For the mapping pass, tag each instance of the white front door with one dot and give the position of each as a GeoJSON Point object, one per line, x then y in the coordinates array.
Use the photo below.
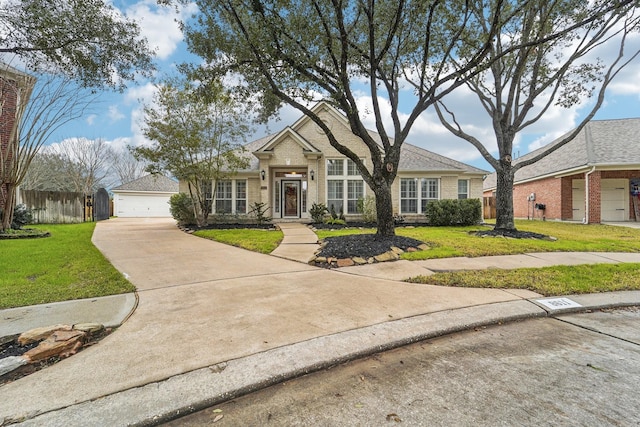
{"type": "Point", "coordinates": [290, 199]}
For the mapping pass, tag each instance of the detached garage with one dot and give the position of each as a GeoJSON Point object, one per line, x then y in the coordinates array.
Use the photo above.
{"type": "Point", "coordinates": [145, 197]}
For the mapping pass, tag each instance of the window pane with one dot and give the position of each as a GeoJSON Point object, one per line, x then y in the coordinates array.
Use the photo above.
{"type": "Point", "coordinates": [355, 191]}
{"type": "Point", "coordinates": [241, 206]}
{"type": "Point", "coordinates": [352, 169]}
{"type": "Point", "coordinates": [223, 206]}
{"type": "Point", "coordinates": [408, 195]}
{"type": "Point", "coordinates": [335, 167]}
{"type": "Point", "coordinates": [335, 189]}
{"type": "Point", "coordinates": [429, 189]}
{"type": "Point", "coordinates": [409, 206]}
{"type": "Point", "coordinates": [241, 189]}
{"type": "Point", "coordinates": [463, 189]}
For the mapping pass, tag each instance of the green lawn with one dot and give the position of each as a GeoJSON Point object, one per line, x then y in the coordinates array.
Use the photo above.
{"type": "Point", "coordinates": [549, 281]}
{"type": "Point", "coordinates": [62, 267]}
{"type": "Point", "coordinates": [448, 242]}
{"type": "Point", "coordinates": [561, 280]}
{"type": "Point", "coordinates": [263, 241]}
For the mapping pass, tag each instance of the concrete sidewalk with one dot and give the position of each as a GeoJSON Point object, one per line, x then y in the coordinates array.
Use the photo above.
{"type": "Point", "coordinates": [215, 321]}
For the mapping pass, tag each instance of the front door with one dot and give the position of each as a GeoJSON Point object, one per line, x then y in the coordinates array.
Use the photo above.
{"type": "Point", "coordinates": [291, 199]}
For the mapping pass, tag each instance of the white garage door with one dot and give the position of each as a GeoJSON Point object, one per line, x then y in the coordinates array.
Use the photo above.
{"type": "Point", "coordinates": [614, 199]}
{"type": "Point", "coordinates": [577, 195]}
{"type": "Point", "coordinates": [136, 205]}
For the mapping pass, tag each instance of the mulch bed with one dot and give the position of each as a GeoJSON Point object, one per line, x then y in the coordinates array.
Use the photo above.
{"type": "Point", "coordinates": [512, 234]}
{"type": "Point", "coordinates": [364, 245]}
{"type": "Point", "coordinates": [234, 226]}
{"type": "Point", "coordinates": [24, 233]}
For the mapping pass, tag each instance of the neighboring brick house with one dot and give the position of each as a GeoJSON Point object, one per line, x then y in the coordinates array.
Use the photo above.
{"type": "Point", "coordinates": [293, 169]}
{"type": "Point", "coordinates": [590, 179]}
{"type": "Point", "coordinates": [15, 89]}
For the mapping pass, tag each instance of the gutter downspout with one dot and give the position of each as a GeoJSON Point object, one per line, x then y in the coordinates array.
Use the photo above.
{"type": "Point", "coordinates": [586, 195]}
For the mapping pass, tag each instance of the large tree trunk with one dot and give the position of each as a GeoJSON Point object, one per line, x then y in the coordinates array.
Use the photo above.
{"type": "Point", "coordinates": [384, 209]}
{"type": "Point", "coordinates": [7, 209]}
{"type": "Point", "coordinates": [504, 198]}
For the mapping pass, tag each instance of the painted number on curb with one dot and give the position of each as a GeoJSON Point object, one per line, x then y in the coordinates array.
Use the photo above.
{"type": "Point", "coordinates": [558, 303]}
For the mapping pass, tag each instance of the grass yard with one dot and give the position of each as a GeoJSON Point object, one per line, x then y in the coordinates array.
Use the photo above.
{"type": "Point", "coordinates": [257, 240]}
{"type": "Point", "coordinates": [548, 281]}
{"type": "Point", "coordinates": [448, 242]}
{"type": "Point", "coordinates": [62, 267]}
{"type": "Point", "coordinates": [561, 280]}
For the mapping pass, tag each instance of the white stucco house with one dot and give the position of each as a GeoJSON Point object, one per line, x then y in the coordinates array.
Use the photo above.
{"type": "Point", "coordinates": [292, 169]}
{"type": "Point", "coordinates": [144, 197]}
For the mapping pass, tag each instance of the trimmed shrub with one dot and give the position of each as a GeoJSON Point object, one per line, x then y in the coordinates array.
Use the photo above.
{"type": "Point", "coordinates": [181, 208]}
{"type": "Point", "coordinates": [367, 207]}
{"type": "Point", "coordinates": [449, 212]}
{"type": "Point", "coordinates": [335, 221]}
{"type": "Point", "coordinates": [22, 216]}
{"type": "Point", "coordinates": [318, 212]}
{"type": "Point", "coordinates": [258, 209]}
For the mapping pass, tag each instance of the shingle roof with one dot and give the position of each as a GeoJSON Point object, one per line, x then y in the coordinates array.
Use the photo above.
{"type": "Point", "coordinates": [601, 142]}
{"type": "Point", "coordinates": [157, 183]}
{"type": "Point", "coordinates": [412, 158]}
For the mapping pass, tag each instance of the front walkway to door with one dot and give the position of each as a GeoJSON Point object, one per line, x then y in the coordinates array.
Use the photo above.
{"type": "Point", "coordinates": [299, 242]}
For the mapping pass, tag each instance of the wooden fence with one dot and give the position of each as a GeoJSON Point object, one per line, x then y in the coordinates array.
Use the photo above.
{"type": "Point", "coordinates": [56, 207]}
{"type": "Point", "coordinates": [489, 207]}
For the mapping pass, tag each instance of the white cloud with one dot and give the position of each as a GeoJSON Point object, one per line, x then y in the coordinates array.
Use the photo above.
{"type": "Point", "coordinates": [115, 114]}
{"type": "Point", "coordinates": [160, 24]}
{"type": "Point", "coordinates": [91, 118]}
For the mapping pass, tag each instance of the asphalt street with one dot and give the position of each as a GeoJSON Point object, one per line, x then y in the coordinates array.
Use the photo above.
{"type": "Point", "coordinates": [578, 369]}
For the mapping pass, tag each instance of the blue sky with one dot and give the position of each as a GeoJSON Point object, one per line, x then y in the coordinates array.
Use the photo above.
{"type": "Point", "coordinates": [116, 117]}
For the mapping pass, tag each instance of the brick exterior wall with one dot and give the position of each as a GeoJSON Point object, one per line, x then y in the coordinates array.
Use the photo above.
{"type": "Point", "coordinates": [548, 192]}
{"type": "Point", "coordinates": [557, 195]}
{"type": "Point", "coordinates": [593, 192]}
{"type": "Point", "coordinates": [8, 104]}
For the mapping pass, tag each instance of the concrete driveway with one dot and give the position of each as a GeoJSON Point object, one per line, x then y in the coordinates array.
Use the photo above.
{"type": "Point", "coordinates": [202, 303]}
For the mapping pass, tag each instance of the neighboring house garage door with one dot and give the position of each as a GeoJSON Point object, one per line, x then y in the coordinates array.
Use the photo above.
{"type": "Point", "coordinates": [137, 205]}
{"type": "Point", "coordinates": [614, 200]}
{"type": "Point", "coordinates": [577, 195]}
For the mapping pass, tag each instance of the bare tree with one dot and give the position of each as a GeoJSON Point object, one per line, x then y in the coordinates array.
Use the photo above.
{"type": "Point", "coordinates": [125, 166]}
{"type": "Point", "coordinates": [47, 172]}
{"type": "Point", "coordinates": [526, 78]}
{"type": "Point", "coordinates": [53, 102]}
{"type": "Point", "coordinates": [87, 163]}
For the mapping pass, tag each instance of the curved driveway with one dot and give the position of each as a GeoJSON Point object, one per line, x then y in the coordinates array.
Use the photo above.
{"type": "Point", "coordinates": [202, 303]}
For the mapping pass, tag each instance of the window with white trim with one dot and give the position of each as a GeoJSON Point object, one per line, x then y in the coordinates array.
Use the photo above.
{"type": "Point", "coordinates": [463, 189]}
{"type": "Point", "coordinates": [241, 196]}
{"type": "Point", "coordinates": [416, 193]}
{"type": "Point", "coordinates": [430, 191]}
{"type": "Point", "coordinates": [344, 185]}
{"type": "Point", "coordinates": [231, 196]}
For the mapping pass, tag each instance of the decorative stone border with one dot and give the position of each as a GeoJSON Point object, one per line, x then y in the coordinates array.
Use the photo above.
{"type": "Point", "coordinates": [391, 255]}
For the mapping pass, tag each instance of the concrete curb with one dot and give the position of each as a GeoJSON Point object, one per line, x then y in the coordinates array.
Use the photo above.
{"type": "Point", "coordinates": [111, 311]}
{"type": "Point", "coordinates": [199, 389]}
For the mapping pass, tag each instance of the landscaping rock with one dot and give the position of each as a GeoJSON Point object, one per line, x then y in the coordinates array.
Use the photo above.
{"type": "Point", "coordinates": [397, 250]}
{"type": "Point", "coordinates": [11, 363]}
{"type": "Point", "coordinates": [387, 256]}
{"type": "Point", "coordinates": [39, 334]}
{"type": "Point", "coordinates": [359, 260]}
{"type": "Point", "coordinates": [60, 343]}
{"type": "Point", "coordinates": [90, 328]}
{"type": "Point", "coordinates": [345, 262]}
